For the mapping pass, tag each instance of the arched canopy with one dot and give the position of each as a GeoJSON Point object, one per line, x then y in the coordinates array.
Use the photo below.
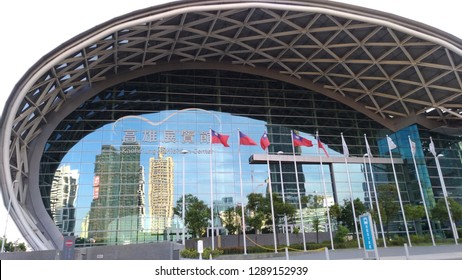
{"type": "Point", "coordinates": [396, 71]}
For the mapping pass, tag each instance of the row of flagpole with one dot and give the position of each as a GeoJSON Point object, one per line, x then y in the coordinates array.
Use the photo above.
{"type": "Point", "coordinates": [297, 141]}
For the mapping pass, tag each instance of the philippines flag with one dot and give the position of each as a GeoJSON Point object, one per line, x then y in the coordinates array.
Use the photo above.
{"type": "Point", "coordinates": [218, 138]}
{"type": "Point", "coordinates": [245, 140]}
{"type": "Point", "coordinates": [264, 141]}
{"type": "Point", "coordinates": [300, 141]}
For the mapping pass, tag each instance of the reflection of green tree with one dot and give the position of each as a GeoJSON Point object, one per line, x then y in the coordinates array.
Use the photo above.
{"type": "Point", "coordinates": [197, 214]}
{"type": "Point", "coordinates": [230, 220]}
{"type": "Point", "coordinates": [259, 211]}
{"type": "Point", "coordinates": [344, 214]}
{"type": "Point", "coordinates": [388, 203]}
{"type": "Point", "coordinates": [415, 213]}
{"type": "Point", "coordinates": [314, 202]}
{"type": "Point", "coordinates": [440, 211]}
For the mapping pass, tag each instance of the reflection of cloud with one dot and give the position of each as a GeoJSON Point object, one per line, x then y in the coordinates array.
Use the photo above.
{"type": "Point", "coordinates": [166, 118]}
{"type": "Point", "coordinates": [225, 164]}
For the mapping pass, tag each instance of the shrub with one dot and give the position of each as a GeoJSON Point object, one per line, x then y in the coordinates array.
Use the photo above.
{"type": "Point", "coordinates": [193, 254]}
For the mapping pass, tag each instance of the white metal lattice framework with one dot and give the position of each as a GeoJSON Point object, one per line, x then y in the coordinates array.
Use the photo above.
{"type": "Point", "coordinates": [396, 71]}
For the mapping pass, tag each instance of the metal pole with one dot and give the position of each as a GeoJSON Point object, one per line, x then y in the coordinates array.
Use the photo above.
{"type": "Point", "coordinates": [298, 192]}
{"type": "Point", "coordinates": [283, 200]}
{"type": "Point", "coordinates": [352, 203]}
{"type": "Point", "coordinates": [271, 202]}
{"type": "Point", "coordinates": [445, 195]}
{"type": "Point", "coordinates": [242, 196]}
{"type": "Point", "coordinates": [399, 193]}
{"type": "Point", "coordinates": [211, 193]}
{"type": "Point", "coordinates": [7, 217]}
{"type": "Point", "coordinates": [183, 213]}
{"type": "Point", "coordinates": [376, 196]}
{"type": "Point", "coordinates": [422, 193]}
{"type": "Point", "coordinates": [325, 194]}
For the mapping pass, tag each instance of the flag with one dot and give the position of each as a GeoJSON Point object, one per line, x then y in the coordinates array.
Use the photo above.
{"type": "Point", "coordinates": [391, 144]}
{"type": "Point", "coordinates": [346, 153]}
{"type": "Point", "coordinates": [413, 146]}
{"type": "Point", "coordinates": [218, 138]}
{"type": "Point", "coordinates": [369, 153]}
{"type": "Point", "coordinates": [321, 146]}
{"type": "Point", "coordinates": [300, 141]}
{"type": "Point", "coordinates": [245, 140]}
{"type": "Point", "coordinates": [431, 147]}
{"type": "Point", "coordinates": [264, 141]}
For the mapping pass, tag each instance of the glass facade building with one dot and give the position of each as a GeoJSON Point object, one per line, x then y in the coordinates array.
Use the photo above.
{"type": "Point", "coordinates": [172, 112]}
{"type": "Point", "coordinates": [102, 135]}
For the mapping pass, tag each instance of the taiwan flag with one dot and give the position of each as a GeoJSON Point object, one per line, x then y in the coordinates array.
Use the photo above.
{"type": "Point", "coordinates": [218, 138]}
{"type": "Point", "coordinates": [321, 146]}
{"type": "Point", "coordinates": [264, 141]}
{"type": "Point", "coordinates": [245, 140]}
{"type": "Point", "coordinates": [300, 141]}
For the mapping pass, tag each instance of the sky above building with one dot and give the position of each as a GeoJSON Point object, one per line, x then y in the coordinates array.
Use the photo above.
{"type": "Point", "coordinates": [24, 43]}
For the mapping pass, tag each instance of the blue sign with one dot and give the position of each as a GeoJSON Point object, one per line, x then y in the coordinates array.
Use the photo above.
{"type": "Point", "coordinates": [368, 232]}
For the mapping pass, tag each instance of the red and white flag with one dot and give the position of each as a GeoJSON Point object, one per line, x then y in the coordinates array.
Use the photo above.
{"type": "Point", "coordinates": [300, 141]}
{"type": "Point", "coordinates": [264, 141]}
{"type": "Point", "coordinates": [321, 146]}
{"type": "Point", "coordinates": [245, 140]}
{"type": "Point", "coordinates": [218, 138]}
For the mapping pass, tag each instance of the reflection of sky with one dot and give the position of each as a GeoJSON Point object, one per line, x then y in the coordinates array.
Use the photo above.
{"type": "Point", "coordinates": [225, 164]}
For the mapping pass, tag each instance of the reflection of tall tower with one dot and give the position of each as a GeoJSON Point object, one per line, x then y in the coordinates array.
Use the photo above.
{"type": "Point", "coordinates": [115, 215]}
{"type": "Point", "coordinates": [160, 192]}
{"type": "Point", "coordinates": [62, 198]}
{"type": "Point", "coordinates": [279, 137]}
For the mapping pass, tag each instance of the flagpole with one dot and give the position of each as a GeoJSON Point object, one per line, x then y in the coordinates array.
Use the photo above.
{"type": "Point", "coordinates": [242, 194]}
{"type": "Point", "coordinates": [346, 154]}
{"type": "Point", "coordinates": [325, 194]}
{"type": "Point", "coordinates": [421, 190]}
{"type": "Point", "coordinates": [389, 142]}
{"type": "Point", "coordinates": [183, 212]}
{"type": "Point", "coordinates": [298, 192]}
{"type": "Point", "coordinates": [271, 201]}
{"type": "Point", "coordinates": [283, 199]}
{"type": "Point", "coordinates": [376, 194]}
{"type": "Point", "coordinates": [371, 203]}
{"type": "Point", "coordinates": [443, 186]}
{"type": "Point", "coordinates": [211, 192]}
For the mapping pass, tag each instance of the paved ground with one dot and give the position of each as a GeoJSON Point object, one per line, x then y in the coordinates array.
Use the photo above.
{"type": "Point", "coordinates": [439, 252]}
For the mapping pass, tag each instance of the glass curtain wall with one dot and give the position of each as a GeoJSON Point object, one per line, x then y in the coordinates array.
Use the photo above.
{"type": "Point", "coordinates": [132, 149]}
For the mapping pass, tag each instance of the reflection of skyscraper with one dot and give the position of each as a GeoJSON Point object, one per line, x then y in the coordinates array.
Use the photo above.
{"type": "Point", "coordinates": [117, 206]}
{"type": "Point", "coordinates": [62, 198]}
{"type": "Point", "coordinates": [160, 192]}
{"type": "Point", "coordinates": [280, 135]}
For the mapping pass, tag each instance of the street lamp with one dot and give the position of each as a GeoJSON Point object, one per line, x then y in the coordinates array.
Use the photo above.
{"type": "Point", "coordinates": [283, 198]}
{"type": "Point", "coordinates": [184, 152]}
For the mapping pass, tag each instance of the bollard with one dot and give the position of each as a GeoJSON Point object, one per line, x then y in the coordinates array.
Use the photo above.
{"type": "Point", "coordinates": [327, 253]}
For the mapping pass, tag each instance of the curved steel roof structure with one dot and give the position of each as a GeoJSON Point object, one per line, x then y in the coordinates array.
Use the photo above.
{"type": "Point", "coordinates": [394, 70]}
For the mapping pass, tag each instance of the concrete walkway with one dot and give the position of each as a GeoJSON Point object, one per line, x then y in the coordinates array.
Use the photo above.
{"type": "Point", "coordinates": [439, 252]}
